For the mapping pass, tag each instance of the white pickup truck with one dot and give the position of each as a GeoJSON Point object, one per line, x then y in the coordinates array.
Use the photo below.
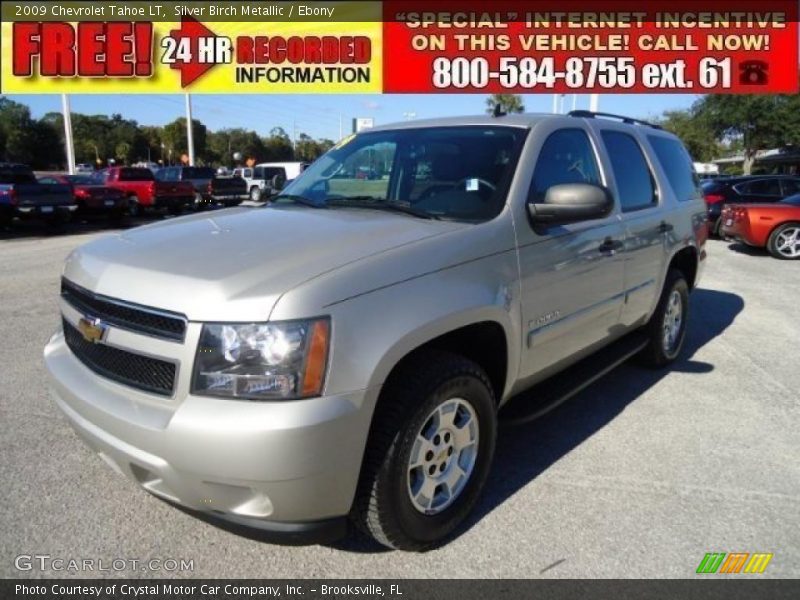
{"type": "Point", "coordinates": [267, 179]}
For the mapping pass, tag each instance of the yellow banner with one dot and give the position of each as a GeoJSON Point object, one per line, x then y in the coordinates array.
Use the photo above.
{"type": "Point", "coordinates": [198, 57]}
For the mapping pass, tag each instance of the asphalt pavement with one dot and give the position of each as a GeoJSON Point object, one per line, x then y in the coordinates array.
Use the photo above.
{"type": "Point", "coordinates": [638, 476]}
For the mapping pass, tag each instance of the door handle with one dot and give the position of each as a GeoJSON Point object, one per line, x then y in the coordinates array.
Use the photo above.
{"type": "Point", "coordinates": [610, 245]}
{"type": "Point", "coordinates": [665, 227]}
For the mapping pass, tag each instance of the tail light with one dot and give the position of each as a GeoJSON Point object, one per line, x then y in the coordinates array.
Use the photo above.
{"type": "Point", "coordinates": [81, 193]}
{"type": "Point", "coordinates": [713, 198]}
{"type": "Point", "coordinates": [11, 195]}
{"type": "Point", "coordinates": [153, 188]}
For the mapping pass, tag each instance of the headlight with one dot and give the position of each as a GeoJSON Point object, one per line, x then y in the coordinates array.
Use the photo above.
{"type": "Point", "coordinates": [262, 361]}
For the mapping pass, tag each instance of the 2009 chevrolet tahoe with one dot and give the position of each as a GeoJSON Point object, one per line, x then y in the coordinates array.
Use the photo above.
{"type": "Point", "coordinates": [342, 354]}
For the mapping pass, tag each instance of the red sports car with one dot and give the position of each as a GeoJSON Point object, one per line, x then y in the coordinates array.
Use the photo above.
{"type": "Point", "coordinates": [92, 197]}
{"type": "Point", "coordinates": [774, 226]}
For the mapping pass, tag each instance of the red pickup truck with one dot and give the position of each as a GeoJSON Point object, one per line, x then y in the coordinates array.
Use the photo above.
{"type": "Point", "coordinates": [144, 192]}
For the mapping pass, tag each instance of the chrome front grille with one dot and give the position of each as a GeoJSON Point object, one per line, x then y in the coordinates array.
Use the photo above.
{"type": "Point", "coordinates": [125, 315]}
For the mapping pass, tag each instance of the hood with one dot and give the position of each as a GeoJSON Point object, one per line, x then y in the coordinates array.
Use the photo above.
{"type": "Point", "coordinates": [234, 264]}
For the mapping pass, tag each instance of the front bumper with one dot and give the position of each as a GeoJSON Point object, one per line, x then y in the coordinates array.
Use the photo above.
{"type": "Point", "coordinates": [289, 469]}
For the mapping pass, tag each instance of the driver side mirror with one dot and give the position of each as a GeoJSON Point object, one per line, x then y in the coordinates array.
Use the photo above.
{"type": "Point", "coordinates": [570, 203]}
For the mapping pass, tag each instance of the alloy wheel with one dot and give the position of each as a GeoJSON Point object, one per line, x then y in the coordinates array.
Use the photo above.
{"type": "Point", "coordinates": [443, 456]}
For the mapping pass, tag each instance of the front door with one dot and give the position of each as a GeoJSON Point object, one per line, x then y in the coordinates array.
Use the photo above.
{"type": "Point", "coordinates": [571, 275]}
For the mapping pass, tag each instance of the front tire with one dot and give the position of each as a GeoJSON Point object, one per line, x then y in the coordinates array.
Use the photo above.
{"type": "Point", "coordinates": [255, 194]}
{"type": "Point", "coordinates": [666, 329]}
{"type": "Point", "coordinates": [784, 242]}
{"type": "Point", "coordinates": [429, 451]}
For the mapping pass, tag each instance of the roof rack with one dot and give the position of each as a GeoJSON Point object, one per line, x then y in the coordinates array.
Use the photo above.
{"type": "Point", "coordinates": [588, 114]}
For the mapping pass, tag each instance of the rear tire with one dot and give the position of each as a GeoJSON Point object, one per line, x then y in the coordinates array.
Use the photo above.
{"type": "Point", "coordinates": [134, 208]}
{"type": "Point", "coordinates": [255, 194]}
{"type": "Point", "coordinates": [778, 240]}
{"type": "Point", "coordinates": [666, 329]}
{"type": "Point", "coordinates": [429, 451]}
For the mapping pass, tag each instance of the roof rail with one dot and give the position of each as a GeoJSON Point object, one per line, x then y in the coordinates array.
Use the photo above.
{"type": "Point", "coordinates": [588, 114]}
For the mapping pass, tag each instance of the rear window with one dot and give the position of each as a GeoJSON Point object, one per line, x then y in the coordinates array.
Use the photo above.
{"type": "Point", "coordinates": [677, 166]}
{"type": "Point", "coordinates": [198, 173]}
{"type": "Point", "coordinates": [80, 179]}
{"type": "Point", "coordinates": [16, 174]}
{"type": "Point", "coordinates": [134, 174]}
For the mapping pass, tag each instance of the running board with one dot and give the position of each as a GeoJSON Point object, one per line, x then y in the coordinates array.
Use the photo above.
{"type": "Point", "coordinates": [550, 393]}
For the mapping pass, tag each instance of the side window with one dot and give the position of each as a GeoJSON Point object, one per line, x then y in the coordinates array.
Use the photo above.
{"type": "Point", "coordinates": [790, 187]}
{"type": "Point", "coordinates": [567, 156]}
{"type": "Point", "coordinates": [47, 180]}
{"type": "Point", "coordinates": [678, 167]}
{"type": "Point", "coordinates": [762, 187]}
{"type": "Point", "coordinates": [631, 171]}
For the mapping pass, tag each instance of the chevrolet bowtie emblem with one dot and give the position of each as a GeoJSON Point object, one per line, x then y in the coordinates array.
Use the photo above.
{"type": "Point", "coordinates": [91, 330]}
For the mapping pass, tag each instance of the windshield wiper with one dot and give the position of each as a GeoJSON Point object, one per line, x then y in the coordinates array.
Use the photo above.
{"type": "Point", "coordinates": [381, 204]}
{"type": "Point", "coordinates": [298, 200]}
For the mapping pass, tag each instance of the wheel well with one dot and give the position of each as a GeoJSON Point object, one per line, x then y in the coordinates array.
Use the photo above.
{"type": "Point", "coordinates": [483, 343]}
{"type": "Point", "coordinates": [686, 262]}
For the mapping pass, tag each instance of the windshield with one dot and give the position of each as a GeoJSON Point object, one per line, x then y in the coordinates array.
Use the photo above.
{"type": "Point", "coordinates": [459, 173]}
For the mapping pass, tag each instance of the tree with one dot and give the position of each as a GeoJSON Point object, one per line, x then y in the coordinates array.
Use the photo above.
{"type": "Point", "coordinates": [278, 146]}
{"type": "Point", "coordinates": [695, 132]}
{"type": "Point", "coordinates": [175, 137]}
{"type": "Point", "coordinates": [26, 140]}
{"type": "Point", "coordinates": [509, 103]}
{"type": "Point", "coordinates": [759, 122]}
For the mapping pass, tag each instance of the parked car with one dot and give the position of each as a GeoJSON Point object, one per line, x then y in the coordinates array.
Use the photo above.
{"type": "Point", "coordinates": [751, 189]}
{"type": "Point", "coordinates": [92, 199]}
{"type": "Point", "coordinates": [143, 191]}
{"type": "Point", "coordinates": [267, 179]}
{"type": "Point", "coordinates": [344, 356]}
{"type": "Point", "coordinates": [22, 196]}
{"type": "Point", "coordinates": [775, 226]}
{"type": "Point", "coordinates": [84, 168]}
{"type": "Point", "coordinates": [209, 188]}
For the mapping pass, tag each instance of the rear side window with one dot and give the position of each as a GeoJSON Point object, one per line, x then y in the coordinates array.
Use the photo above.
{"type": "Point", "coordinates": [134, 174]}
{"type": "Point", "coordinates": [790, 187]}
{"type": "Point", "coordinates": [678, 167]}
{"type": "Point", "coordinates": [631, 171]}
{"type": "Point", "coordinates": [567, 156]}
{"type": "Point", "coordinates": [760, 187]}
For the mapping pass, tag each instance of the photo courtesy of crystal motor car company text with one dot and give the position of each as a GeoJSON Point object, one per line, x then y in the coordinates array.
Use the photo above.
{"type": "Point", "coordinates": [309, 293]}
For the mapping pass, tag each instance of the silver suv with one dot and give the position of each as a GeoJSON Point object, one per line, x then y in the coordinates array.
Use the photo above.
{"type": "Point", "coordinates": [343, 355]}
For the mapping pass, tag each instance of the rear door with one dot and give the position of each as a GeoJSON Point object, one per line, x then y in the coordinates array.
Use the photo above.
{"type": "Point", "coordinates": [643, 219]}
{"type": "Point", "coordinates": [572, 276]}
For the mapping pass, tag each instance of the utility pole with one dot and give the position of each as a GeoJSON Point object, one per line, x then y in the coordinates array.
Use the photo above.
{"type": "Point", "coordinates": [574, 101]}
{"type": "Point", "coordinates": [594, 102]}
{"type": "Point", "coordinates": [68, 134]}
{"type": "Point", "coordinates": [555, 103]}
{"type": "Point", "coordinates": [189, 128]}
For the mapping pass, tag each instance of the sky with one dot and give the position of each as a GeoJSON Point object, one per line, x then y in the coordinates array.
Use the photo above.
{"type": "Point", "coordinates": [319, 115]}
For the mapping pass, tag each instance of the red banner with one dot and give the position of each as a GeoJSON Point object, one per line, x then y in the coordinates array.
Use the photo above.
{"type": "Point", "coordinates": [578, 45]}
